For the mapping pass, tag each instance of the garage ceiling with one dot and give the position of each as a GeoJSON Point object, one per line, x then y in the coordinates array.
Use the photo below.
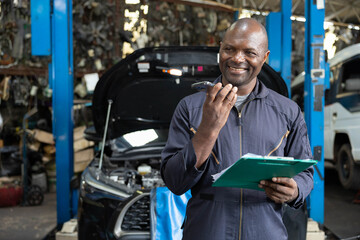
{"type": "Point", "coordinates": [337, 11]}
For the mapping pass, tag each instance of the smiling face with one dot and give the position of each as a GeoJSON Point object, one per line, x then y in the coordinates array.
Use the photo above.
{"type": "Point", "coordinates": [243, 51]}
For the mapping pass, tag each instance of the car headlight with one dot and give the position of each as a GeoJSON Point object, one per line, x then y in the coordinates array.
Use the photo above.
{"type": "Point", "coordinates": [94, 181]}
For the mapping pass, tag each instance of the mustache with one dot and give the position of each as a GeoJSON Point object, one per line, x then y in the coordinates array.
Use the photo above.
{"type": "Point", "coordinates": [242, 65]}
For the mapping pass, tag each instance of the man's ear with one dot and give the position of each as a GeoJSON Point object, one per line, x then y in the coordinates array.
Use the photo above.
{"type": "Point", "coordinates": [266, 55]}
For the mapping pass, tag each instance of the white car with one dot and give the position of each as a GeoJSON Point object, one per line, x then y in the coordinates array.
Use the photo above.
{"type": "Point", "coordinates": [341, 114]}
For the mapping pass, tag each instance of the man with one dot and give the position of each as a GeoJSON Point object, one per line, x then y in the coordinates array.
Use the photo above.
{"type": "Point", "coordinates": [211, 131]}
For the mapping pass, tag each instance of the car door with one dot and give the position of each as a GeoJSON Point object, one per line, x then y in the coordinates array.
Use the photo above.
{"type": "Point", "coordinates": [330, 115]}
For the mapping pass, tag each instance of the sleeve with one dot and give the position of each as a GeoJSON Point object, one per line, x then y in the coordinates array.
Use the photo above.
{"type": "Point", "coordinates": [178, 157]}
{"type": "Point", "coordinates": [298, 146]}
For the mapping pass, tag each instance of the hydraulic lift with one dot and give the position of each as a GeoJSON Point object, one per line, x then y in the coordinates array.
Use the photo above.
{"type": "Point", "coordinates": [51, 31]}
{"type": "Point", "coordinates": [316, 81]}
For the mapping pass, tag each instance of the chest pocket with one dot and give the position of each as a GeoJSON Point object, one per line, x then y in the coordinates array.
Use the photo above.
{"type": "Point", "coordinates": [278, 149]}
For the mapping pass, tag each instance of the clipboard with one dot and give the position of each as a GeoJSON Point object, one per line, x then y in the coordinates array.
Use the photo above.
{"type": "Point", "coordinates": [250, 169]}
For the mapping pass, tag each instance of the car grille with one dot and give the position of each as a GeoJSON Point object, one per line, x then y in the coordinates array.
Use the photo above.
{"type": "Point", "coordinates": [137, 217]}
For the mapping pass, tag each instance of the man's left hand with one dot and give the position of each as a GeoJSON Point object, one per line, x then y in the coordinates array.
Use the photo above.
{"type": "Point", "coordinates": [280, 189]}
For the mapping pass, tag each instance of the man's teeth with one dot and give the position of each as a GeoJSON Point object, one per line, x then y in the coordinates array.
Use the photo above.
{"type": "Point", "coordinates": [237, 69]}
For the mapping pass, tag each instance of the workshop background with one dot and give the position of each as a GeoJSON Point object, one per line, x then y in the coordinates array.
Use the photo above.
{"type": "Point", "coordinates": [104, 32]}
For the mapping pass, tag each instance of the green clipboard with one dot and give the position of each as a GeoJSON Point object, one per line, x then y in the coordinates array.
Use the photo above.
{"type": "Point", "coordinates": [250, 169]}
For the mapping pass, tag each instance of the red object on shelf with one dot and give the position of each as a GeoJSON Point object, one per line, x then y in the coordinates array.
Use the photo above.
{"type": "Point", "coordinates": [10, 195]}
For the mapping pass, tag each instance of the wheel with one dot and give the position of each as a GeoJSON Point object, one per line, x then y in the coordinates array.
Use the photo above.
{"type": "Point", "coordinates": [348, 171]}
{"type": "Point", "coordinates": [35, 196]}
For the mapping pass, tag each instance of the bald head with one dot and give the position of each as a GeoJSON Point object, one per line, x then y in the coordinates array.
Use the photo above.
{"type": "Point", "coordinates": [249, 24]}
{"type": "Point", "coordinates": [243, 51]}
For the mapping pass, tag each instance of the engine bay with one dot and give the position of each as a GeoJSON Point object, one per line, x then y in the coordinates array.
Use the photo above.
{"type": "Point", "coordinates": [142, 174]}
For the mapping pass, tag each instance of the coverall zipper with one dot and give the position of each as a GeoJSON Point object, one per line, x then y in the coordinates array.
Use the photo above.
{"type": "Point", "coordinates": [241, 190]}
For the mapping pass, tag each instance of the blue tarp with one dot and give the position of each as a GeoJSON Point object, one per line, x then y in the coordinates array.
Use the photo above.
{"type": "Point", "coordinates": [167, 213]}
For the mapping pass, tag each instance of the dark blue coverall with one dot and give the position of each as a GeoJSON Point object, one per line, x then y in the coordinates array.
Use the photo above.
{"type": "Point", "coordinates": [268, 122]}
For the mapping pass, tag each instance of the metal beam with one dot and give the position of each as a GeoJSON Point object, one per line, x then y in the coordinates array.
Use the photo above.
{"type": "Point", "coordinates": [345, 17]}
{"type": "Point", "coordinates": [263, 3]}
{"type": "Point", "coordinates": [40, 28]}
{"type": "Point", "coordinates": [337, 13]}
{"type": "Point", "coordinates": [244, 4]}
{"type": "Point", "coordinates": [278, 26]}
{"type": "Point", "coordinates": [286, 43]}
{"type": "Point", "coordinates": [275, 33]}
{"type": "Point", "coordinates": [62, 82]}
{"type": "Point", "coordinates": [297, 3]}
{"type": "Point", "coordinates": [277, 6]}
{"type": "Point", "coordinates": [203, 3]}
{"type": "Point", "coordinates": [314, 86]}
{"type": "Point", "coordinates": [253, 4]}
{"type": "Point", "coordinates": [333, 9]}
{"type": "Point", "coordinates": [337, 2]}
{"type": "Point", "coordinates": [356, 4]}
{"type": "Point", "coordinates": [356, 14]}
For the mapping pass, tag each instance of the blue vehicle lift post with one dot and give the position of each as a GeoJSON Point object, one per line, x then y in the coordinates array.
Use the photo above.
{"type": "Point", "coordinates": [52, 35]}
{"type": "Point", "coordinates": [278, 27]}
{"type": "Point", "coordinates": [316, 81]}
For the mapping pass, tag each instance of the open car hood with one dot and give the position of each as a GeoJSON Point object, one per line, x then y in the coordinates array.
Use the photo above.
{"type": "Point", "coordinates": [144, 93]}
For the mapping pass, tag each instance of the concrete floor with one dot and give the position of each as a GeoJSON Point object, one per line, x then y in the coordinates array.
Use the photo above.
{"type": "Point", "coordinates": [342, 217]}
{"type": "Point", "coordinates": [28, 223]}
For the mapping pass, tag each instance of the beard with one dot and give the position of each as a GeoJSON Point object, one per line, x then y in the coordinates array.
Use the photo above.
{"type": "Point", "coordinates": [240, 79]}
